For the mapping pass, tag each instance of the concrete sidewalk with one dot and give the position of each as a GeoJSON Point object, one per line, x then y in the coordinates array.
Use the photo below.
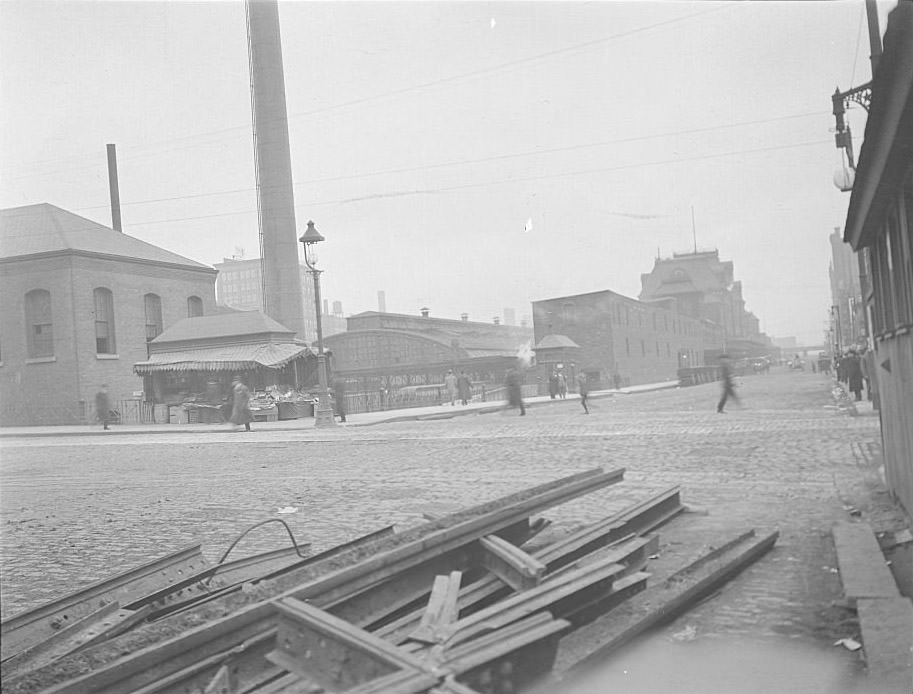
{"type": "Point", "coordinates": [353, 420]}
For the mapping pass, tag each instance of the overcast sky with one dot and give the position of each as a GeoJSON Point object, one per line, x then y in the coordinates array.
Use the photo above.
{"type": "Point", "coordinates": [425, 136]}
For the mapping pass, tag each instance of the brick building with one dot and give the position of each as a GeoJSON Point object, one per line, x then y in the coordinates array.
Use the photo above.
{"type": "Point", "coordinates": [847, 310]}
{"type": "Point", "coordinates": [641, 342]}
{"type": "Point", "coordinates": [704, 287]}
{"type": "Point", "coordinates": [239, 285]}
{"type": "Point", "coordinates": [80, 303]}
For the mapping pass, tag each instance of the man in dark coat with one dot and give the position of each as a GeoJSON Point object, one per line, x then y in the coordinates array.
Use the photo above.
{"type": "Point", "coordinates": [464, 388]}
{"type": "Point", "coordinates": [854, 374]}
{"type": "Point", "coordinates": [339, 396]}
{"type": "Point", "coordinates": [103, 406]}
{"type": "Point", "coordinates": [727, 383]}
{"type": "Point", "coordinates": [553, 385]}
{"type": "Point", "coordinates": [240, 409]}
{"type": "Point", "coordinates": [515, 391]}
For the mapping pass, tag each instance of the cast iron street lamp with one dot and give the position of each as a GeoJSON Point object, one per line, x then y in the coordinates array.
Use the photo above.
{"type": "Point", "coordinates": [323, 414]}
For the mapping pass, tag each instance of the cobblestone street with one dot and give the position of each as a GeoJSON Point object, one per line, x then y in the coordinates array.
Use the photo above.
{"type": "Point", "coordinates": [76, 509]}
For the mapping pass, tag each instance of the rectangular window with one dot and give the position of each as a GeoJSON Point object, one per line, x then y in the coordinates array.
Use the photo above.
{"type": "Point", "coordinates": [104, 322]}
{"type": "Point", "coordinates": [627, 347]}
{"type": "Point", "coordinates": [643, 348]}
{"type": "Point", "coordinates": [41, 327]}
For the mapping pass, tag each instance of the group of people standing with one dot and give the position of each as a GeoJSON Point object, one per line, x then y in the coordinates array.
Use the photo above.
{"type": "Point", "coordinates": [557, 385]}
{"type": "Point", "coordinates": [853, 370]}
{"type": "Point", "coordinates": [458, 387]}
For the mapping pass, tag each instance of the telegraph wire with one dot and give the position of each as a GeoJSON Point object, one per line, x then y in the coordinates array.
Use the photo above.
{"type": "Point", "coordinates": [396, 92]}
{"type": "Point", "coordinates": [480, 160]}
{"type": "Point", "coordinates": [567, 174]}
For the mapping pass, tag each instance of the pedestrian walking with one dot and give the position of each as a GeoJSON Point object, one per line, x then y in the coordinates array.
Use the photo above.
{"type": "Point", "coordinates": [515, 391]}
{"type": "Point", "coordinates": [728, 386]}
{"type": "Point", "coordinates": [553, 385]}
{"type": "Point", "coordinates": [339, 397]}
{"type": "Point", "coordinates": [450, 382]}
{"type": "Point", "coordinates": [584, 389]}
{"type": "Point", "coordinates": [464, 388]}
{"type": "Point", "coordinates": [854, 374]}
{"type": "Point", "coordinates": [240, 405]}
{"type": "Point", "coordinates": [103, 406]}
{"type": "Point", "coordinates": [562, 385]}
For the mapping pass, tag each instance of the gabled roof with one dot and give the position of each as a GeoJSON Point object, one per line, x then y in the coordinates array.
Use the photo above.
{"type": "Point", "coordinates": [45, 228]}
{"type": "Point", "coordinates": [237, 324]}
{"type": "Point", "coordinates": [554, 341]}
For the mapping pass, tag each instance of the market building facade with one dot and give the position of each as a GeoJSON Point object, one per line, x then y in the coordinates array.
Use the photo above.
{"type": "Point", "coordinates": [847, 317]}
{"type": "Point", "coordinates": [880, 221]}
{"type": "Point", "coordinates": [394, 353]}
{"type": "Point", "coordinates": [81, 302]}
{"type": "Point", "coordinates": [704, 288]}
{"type": "Point", "coordinates": [616, 340]}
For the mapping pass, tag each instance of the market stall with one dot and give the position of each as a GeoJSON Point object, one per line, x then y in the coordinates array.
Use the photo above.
{"type": "Point", "coordinates": [192, 364]}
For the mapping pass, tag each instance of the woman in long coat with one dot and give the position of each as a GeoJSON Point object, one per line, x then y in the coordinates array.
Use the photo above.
{"type": "Point", "coordinates": [240, 411]}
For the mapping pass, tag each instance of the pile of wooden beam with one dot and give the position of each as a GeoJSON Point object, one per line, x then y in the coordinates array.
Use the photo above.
{"type": "Point", "coordinates": [455, 605]}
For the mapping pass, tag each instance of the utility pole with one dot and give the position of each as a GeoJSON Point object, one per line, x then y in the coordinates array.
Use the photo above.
{"type": "Point", "coordinates": [114, 188]}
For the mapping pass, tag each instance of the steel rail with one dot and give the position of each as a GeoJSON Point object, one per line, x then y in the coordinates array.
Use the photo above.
{"type": "Point", "coordinates": [177, 653]}
{"type": "Point", "coordinates": [32, 626]}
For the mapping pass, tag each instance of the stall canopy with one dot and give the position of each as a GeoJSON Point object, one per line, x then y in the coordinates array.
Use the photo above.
{"type": "Point", "coordinates": [235, 341]}
{"type": "Point", "coordinates": [227, 358]}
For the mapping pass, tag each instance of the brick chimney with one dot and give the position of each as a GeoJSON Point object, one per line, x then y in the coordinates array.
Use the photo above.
{"type": "Point", "coordinates": [425, 312]}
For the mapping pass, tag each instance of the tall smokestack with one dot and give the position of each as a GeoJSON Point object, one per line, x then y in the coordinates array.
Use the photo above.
{"type": "Point", "coordinates": [115, 191]}
{"type": "Point", "coordinates": [276, 201]}
{"type": "Point", "coordinates": [382, 301]}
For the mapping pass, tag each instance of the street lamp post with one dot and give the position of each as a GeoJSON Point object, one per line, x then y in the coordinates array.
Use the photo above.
{"type": "Point", "coordinates": [323, 413]}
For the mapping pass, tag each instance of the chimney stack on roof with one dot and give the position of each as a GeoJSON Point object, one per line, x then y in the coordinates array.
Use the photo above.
{"type": "Point", "coordinates": [497, 320]}
{"type": "Point", "coordinates": [425, 312]}
{"type": "Point", "coordinates": [464, 317]}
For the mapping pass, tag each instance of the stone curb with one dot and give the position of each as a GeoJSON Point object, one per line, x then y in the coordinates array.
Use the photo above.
{"type": "Point", "coordinates": [405, 416]}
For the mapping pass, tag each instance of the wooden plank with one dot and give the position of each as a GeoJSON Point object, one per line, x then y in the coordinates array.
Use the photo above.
{"type": "Point", "coordinates": [35, 625]}
{"type": "Point", "coordinates": [863, 569]}
{"type": "Point", "coordinates": [599, 574]}
{"type": "Point", "coordinates": [442, 606]}
{"type": "Point", "coordinates": [511, 564]}
{"type": "Point", "coordinates": [660, 603]}
{"type": "Point", "coordinates": [632, 554]}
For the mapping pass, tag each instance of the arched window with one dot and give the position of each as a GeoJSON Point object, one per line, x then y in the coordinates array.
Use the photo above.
{"type": "Point", "coordinates": [39, 323]}
{"type": "Point", "coordinates": [104, 322]}
{"type": "Point", "coordinates": [153, 305]}
{"type": "Point", "coordinates": [194, 306]}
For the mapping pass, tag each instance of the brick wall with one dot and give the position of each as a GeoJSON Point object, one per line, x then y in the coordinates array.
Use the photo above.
{"type": "Point", "coordinates": [51, 390]}
{"type": "Point", "coordinates": [639, 340]}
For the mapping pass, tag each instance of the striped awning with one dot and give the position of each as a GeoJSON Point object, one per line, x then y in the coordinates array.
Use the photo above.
{"type": "Point", "coordinates": [228, 358]}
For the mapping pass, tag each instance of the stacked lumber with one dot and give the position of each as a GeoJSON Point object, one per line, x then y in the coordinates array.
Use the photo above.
{"type": "Point", "coordinates": [456, 605]}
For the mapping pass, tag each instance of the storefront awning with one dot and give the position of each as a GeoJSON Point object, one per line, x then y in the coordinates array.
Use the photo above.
{"type": "Point", "coordinates": [228, 358]}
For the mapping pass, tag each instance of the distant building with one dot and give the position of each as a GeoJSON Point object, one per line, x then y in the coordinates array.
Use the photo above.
{"type": "Point", "coordinates": [637, 341]}
{"type": "Point", "coordinates": [705, 289]}
{"type": "Point", "coordinates": [847, 310]}
{"type": "Point", "coordinates": [80, 303]}
{"type": "Point", "coordinates": [240, 286]}
{"type": "Point", "coordinates": [394, 350]}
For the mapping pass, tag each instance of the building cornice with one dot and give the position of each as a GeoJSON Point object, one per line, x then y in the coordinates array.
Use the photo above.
{"type": "Point", "coordinates": [70, 252]}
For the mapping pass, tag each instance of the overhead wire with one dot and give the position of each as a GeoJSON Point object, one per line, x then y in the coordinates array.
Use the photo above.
{"type": "Point", "coordinates": [523, 179]}
{"type": "Point", "coordinates": [406, 90]}
{"type": "Point", "coordinates": [479, 160]}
